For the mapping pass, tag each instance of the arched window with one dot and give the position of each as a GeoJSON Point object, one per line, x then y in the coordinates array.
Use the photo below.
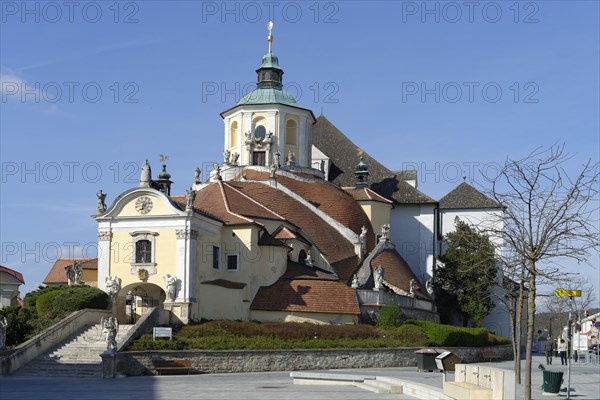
{"type": "Point", "coordinates": [233, 134]}
{"type": "Point", "coordinates": [291, 133]}
{"type": "Point", "coordinates": [143, 251]}
{"type": "Point", "coordinates": [301, 257]}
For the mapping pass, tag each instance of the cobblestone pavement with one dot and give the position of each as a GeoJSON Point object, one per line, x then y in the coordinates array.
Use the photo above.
{"type": "Point", "coordinates": [585, 382]}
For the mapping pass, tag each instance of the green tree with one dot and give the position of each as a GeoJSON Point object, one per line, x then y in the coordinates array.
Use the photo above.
{"type": "Point", "coordinates": [468, 277]}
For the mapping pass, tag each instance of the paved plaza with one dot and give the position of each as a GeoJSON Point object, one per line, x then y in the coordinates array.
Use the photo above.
{"type": "Point", "coordinates": [585, 381]}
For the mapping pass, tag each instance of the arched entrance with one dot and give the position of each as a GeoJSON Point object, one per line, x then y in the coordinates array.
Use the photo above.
{"type": "Point", "coordinates": [136, 299]}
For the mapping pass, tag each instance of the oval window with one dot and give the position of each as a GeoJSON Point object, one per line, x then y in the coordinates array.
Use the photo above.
{"type": "Point", "coordinates": [260, 132]}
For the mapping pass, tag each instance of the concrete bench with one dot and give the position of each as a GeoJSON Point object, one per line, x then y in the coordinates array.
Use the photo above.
{"type": "Point", "coordinates": [320, 378]}
{"type": "Point", "coordinates": [481, 382]}
{"type": "Point", "coordinates": [172, 367]}
{"type": "Point", "coordinates": [467, 391]}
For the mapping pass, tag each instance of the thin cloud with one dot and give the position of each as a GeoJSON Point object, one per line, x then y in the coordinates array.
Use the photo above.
{"type": "Point", "coordinates": [100, 50]}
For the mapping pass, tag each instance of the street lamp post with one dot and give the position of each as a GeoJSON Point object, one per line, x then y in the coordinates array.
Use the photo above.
{"type": "Point", "coordinates": [550, 327]}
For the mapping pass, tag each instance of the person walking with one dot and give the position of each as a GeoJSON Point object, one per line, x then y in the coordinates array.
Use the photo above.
{"type": "Point", "coordinates": [548, 347]}
{"type": "Point", "coordinates": [562, 350]}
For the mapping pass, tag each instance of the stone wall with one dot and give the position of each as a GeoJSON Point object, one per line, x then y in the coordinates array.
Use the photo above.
{"type": "Point", "coordinates": [205, 361]}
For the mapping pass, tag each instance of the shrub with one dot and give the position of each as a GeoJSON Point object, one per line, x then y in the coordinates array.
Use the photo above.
{"type": "Point", "coordinates": [389, 316]}
{"type": "Point", "coordinates": [30, 299]}
{"type": "Point", "coordinates": [145, 342]}
{"type": "Point", "coordinates": [62, 300]}
{"type": "Point", "coordinates": [18, 324]}
{"type": "Point", "coordinates": [44, 304]}
{"type": "Point", "coordinates": [448, 335]}
{"type": "Point", "coordinates": [412, 336]}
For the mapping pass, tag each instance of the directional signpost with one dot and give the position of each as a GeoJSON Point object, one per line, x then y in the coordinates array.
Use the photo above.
{"type": "Point", "coordinates": [560, 292]}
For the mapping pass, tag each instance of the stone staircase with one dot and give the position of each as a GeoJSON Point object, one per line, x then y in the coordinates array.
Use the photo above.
{"type": "Point", "coordinates": [77, 356]}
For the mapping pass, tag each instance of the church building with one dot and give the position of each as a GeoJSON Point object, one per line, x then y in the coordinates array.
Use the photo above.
{"type": "Point", "coordinates": [291, 226]}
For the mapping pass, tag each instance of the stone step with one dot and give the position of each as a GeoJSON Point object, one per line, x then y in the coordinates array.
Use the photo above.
{"type": "Point", "coordinates": [79, 355]}
{"type": "Point", "coordinates": [378, 386]}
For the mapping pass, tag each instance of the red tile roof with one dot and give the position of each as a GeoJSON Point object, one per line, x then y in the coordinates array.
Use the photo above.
{"type": "Point", "coordinates": [397, 272]}
{"type": "Point", "coordinates": [267, 240]}
{"type": "Point", "coordinates": [330, 242]}
{"type": "Point", "coordinates": [57, 273]}
{"type": "Point", "coordinates": [212, 201]}
{"type": "Point", "coordinates": [366, 194]}
{"type": "Point", "coordinates": [333, 201]}
{"type": "Point", "coordinates": [12, 272]}
{"type": "Point", "coordinates": [300, 271]}
{"type": "Point", "coordinates": [307, 295]}
{"type": "Point", "coordinates": [345, 268]}
{"type": "Point", "coordinates": [285, 233]}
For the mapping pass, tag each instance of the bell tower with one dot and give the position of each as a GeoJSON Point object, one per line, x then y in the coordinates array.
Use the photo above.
{"type": "Point", "coordinates": [267, 126]}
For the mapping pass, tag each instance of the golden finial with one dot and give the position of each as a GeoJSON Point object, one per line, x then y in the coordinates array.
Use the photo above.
{"type": "Point", "coordinates": [270, 37]}
{"type": "Point", "coordinates": [163, 158]}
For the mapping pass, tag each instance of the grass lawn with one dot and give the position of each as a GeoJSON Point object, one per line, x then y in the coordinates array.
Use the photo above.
{"type": "Point", "coordinates": [235, 335]}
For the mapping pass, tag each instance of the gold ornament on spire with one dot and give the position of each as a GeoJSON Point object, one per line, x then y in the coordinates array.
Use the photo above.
{"type": "Point", "coordinates": [270, 37]}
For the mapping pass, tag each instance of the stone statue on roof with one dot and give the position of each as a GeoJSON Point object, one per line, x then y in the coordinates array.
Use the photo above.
{"type": "Point", "coordinates": [278, 159]}
{"type": "Point", "coordinates": [146, 175]}
{"type": "Point", "coordinates": [412, 291]}
{"type": "Point", "coordinates": [197, 179]}
{"type": "Point", "coordinates": [101, 204]}
{"type": "Point", "coordinates": [190, 196]}
{"type": "Point", "coordinates": [429, 287]}
{"type": "Point", "coordinates": [308, 261]}
{"type": "Point", "coordinates": [378, 278]}
{"type": "Point", "coordinates": [74, 273]}
{"type": "Point", "coordinates": [226, 156]}
{"type": "Point", "coordinates": [355, 281]}
{"type": "Point", "coordinates": [385, 232]}
{"type": "Point", "coordinates": [291, 158]}
{"type": "Point", "coordinates": [273, 171]}
{"type": "Point", "coordinates": [234, 158]}
{"type": "Point", "coordinates": [215, 174]}
{"type": "Point", "coordinates": [362, 238]}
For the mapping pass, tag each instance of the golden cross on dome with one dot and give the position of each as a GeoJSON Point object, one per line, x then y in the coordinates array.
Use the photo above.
{"type": "Point", "coordinates": [163, 158]}
{"type": "Point", "coordinates": [270, 37]}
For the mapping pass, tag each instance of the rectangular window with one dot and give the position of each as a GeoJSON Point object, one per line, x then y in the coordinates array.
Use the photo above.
{"type": "Point", "coordinates": [216, 256]}
{"type": "Point", "coordinates": [232, 262]}
{"type": "Point", "coordinates": [143, 252]}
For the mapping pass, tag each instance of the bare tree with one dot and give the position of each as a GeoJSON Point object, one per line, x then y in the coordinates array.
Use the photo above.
{"type": "Point", "coordinates": [513, 296]}
{"type": "Point", "coordinates": [548, 217]}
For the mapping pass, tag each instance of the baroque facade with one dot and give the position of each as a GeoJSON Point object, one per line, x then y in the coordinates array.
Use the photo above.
{"type": "Point", "coordinates": [291, 226]}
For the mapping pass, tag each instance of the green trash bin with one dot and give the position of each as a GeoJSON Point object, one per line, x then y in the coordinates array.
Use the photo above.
{"type": "Point", "coordinates": [552, 381]}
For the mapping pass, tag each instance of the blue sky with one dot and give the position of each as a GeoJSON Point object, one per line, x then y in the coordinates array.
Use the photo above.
{"type": "Point", "coordinates": [91, 89]}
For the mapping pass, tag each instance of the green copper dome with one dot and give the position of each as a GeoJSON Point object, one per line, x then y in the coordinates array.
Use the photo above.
{"type": "Point", "coordinates": [270, 60]}
{"type": "Point", "coordinates": [164, 174]}
{"type": "Point", "coordinates": [268, 96]}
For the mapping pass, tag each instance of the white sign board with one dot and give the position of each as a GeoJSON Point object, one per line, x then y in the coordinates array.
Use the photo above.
{"type": "Point", "coordinates": [580, 342]}
{"type": "Point", "coordinates": [162, 332]}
